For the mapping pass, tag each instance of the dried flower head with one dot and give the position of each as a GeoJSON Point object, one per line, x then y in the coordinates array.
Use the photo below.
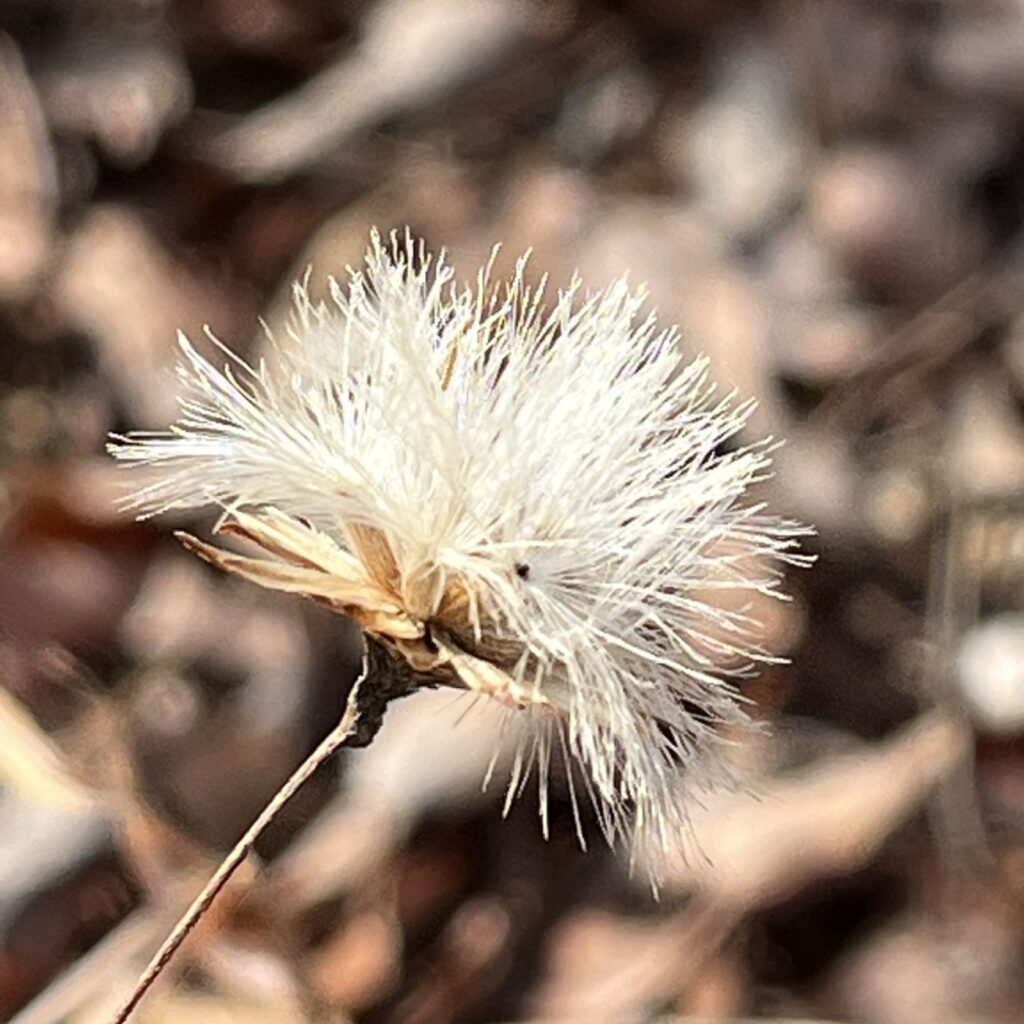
{"type": "Point", "coordinates": [540, 505]}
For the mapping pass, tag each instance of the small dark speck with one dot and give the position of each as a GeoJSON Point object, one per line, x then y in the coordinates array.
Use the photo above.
{"type": "Point", "coordinates": [428, 639]}
{"type": "Point", "coordinates": [522, 570]}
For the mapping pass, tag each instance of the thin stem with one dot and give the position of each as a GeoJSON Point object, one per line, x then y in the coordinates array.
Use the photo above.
{"type": "Point", "coordinates": [346, 732]}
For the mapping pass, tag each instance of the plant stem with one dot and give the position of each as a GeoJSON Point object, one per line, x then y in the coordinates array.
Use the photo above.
{"type": "Point", "coordinates": [358, 725]}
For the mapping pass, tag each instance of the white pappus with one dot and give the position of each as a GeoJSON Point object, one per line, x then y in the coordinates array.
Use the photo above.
{"type": "Point", "coordinates": [540, 504]}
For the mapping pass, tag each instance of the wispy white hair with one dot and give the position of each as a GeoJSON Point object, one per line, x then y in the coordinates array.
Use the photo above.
{"type": "Point", "coordinates": [547, 503]}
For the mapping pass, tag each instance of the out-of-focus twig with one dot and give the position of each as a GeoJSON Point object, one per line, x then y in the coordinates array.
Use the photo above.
{"type": "Point", "coordinates": [413, 53]}
{"type": "Point", "coordinates": [824, 821]}
{"type": "Point", "coordinates": [93, 973]}
{"type": "Point", "coordinates": [28, 177]}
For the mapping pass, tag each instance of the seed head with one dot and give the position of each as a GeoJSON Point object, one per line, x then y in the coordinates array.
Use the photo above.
{"type": "Point", "coordinates": [543, 505]}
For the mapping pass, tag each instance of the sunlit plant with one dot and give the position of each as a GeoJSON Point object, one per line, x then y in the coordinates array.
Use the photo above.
{"type": "Point", "coordinates": [541, 504]}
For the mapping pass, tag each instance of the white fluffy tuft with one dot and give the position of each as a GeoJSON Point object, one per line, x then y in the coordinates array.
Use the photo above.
{"type": "Point", "coordinates": [576, 476]}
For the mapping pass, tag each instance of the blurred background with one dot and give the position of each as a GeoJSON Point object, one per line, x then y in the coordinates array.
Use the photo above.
{"type": "Point", "coordinates": [827, 195]}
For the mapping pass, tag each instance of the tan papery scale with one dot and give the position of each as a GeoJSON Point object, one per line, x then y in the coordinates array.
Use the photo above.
{"type": "Point", "coordinates": [307, 562]}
